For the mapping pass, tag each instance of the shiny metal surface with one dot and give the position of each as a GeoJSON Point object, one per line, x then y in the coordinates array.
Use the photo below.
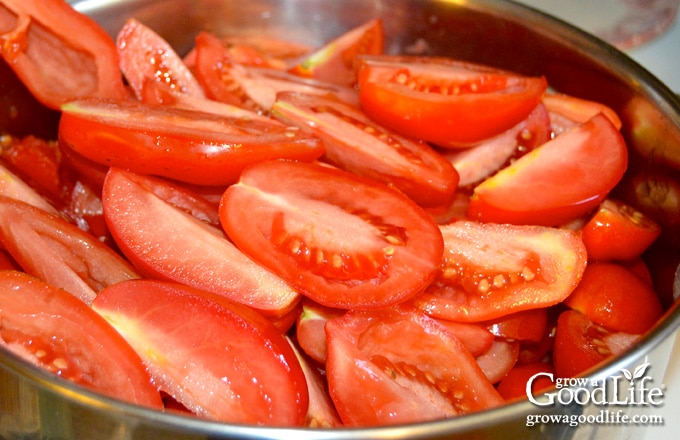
{"type": "Point", "coordinates": [34, 405]}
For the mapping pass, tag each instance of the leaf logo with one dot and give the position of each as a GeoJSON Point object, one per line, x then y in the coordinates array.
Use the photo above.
{"type": "Point", "coordinates": [637, 373]}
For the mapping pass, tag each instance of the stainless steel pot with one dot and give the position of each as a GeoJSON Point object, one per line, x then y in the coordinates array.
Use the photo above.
{"type": "Point", "coordinates": [35, 405]}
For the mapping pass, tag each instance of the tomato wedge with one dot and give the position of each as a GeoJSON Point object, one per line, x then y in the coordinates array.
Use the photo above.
{"type": "Point", "coordinates": [185, 145]}
{"type": "Point", "coordinates": [449, 103]}
{"type": "Point", "coordinates": [561, 180]}
{"type": "Point", "coordinates": [403, 367]}
{"type": "Point", "coordinates": [492, 270]}
{"type": "Point", "coordinates": [50, 328]}
{"type": "Point", "coordinates": [342, 240]}
{"type": "Point", "coordinates": [159, 236]}
{"type": "Point", "coordinates": [217, 358]}
{"type": "Point", "coordinates": [59, 253]}
{"type": "Point", "coordinates": [56, 63]}
{"type": "Point", "coordinates": [355, 143]}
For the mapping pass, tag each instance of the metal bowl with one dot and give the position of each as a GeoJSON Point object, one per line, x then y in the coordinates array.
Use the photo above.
{"type": "Point", "coordinates": [34, 404]}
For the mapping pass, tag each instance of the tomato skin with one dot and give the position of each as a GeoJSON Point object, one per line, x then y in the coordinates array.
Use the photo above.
{"type": "Point", "coordinates": [491, 270]}
{"type": "Point", "coordinates": [165, 242]}
{"type": "Point", "coordinates": [483, 102]}
{"type": "Point", "coordinates": [355, 143]}
{"type": "Point", "coordinates": [310, 329]}
{"type": "Point", "coordinates": [76, 343]}
{"type": "Point", "coordinates": [387, 355]}
{"type": "Point", "coordinates": [185, 145]}
{"type": "Point", "coordinates": [578, 110]}
{"type": "Point", "coordinates": [513, 386]}
{"type": "Point", "coordinates": [615, 298]}
{"type": "Point", "coordinates": [39, 38]}
{"type": "Point", "coordinates": [527, 325]}
{"type": "Point", "coordinates": [342, 240]}
{"type": "Point", "coordinates": [617, 231]}
{"type": "Point", "coordinates": [591, 159]}
{"type": "Point", "coordinates": [188, 337]}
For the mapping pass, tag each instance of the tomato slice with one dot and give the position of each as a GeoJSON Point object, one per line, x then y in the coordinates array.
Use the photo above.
{"type": "Point", "coordinates": [527, 325]}
{"type": "Point", "coordinates": [335, 61]}
{"type": "Point", "coordinates": [217, 358]}
{"type": "Point", "coordinates": [613, 297]}
{"type": "Point", "coordinates": [578, 110]}
{"type": "Point", "coordinates": [492, 270]}
{"type": "Point", "coordinates": [617, 231]}
{"type": "Point", "coordinates": [146, 57]}
{"type": "Point", "coordinates": [403, 367]}
{"type": "Point", "coordinates": [355, 143]}
{"type": "Point", "coordinates": [15, 188]}
{"type": "Point", "coordinates": [499, 359]}
{"type": "Point", "coordinates": [561, 180]}
{"type": "Point", "coordinates": [56, 251]}
{"type": "Point", "coordinates": [514, 384]}
{"type": "Point", "coordinates": [474, 337]}
{"type": "Point", "coordinates": [310, 329]}
{"type": "Point", "coordinates": [185, 145]}
{"type": "Point", "coordinates": [56, 63]}
{"type": "Point", "coordinates": [449, 103]}
{"type": "Point", "coordinates": [580, 344]}
{"type": "Point", "coordinates": [50, 328]}
{"type": "Point", "coordinates": [163, 240]}
{"type": "Point", "coordinates": [342, 240]}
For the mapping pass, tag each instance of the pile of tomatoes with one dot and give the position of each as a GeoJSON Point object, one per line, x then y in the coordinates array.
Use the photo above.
{"type": "Point", "coordinates": [265, 233]}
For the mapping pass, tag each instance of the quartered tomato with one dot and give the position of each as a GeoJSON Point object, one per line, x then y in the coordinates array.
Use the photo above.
{"type": "Point", "coordinates": [58, 53]}
{"type": "Point", "coordinates": [355, 143]}
{"type": "Point", "coordinates": [398, 366]}
{"type": "Point", "coordinates": [335, 61]}
{"type": "Point", "coordinates": [217, 358]}
{"type": "Point", "coordinates": [580, 344]}
{"type": "Point", "coordinates": [342, 240]}
{"type": "Point", "coordinates": [556, 182]}
{"type": "Point", "coordinates": [451, 104]}
{"type": "Point", "coordinates": [185, 145]}
{"type": "Point", "coordinates": [50, 328]}
{"type": "Point", "coordinates": [146, 57]}
{"type": "Point", "coordinates": [310, 329]}
{"type": "Point", "coordinates": [577, 110]}
{"type": "Point", "coordinates": [527, 325]}
{"type": "Point", "coordinates": [54, 250]}
{"type": "Point", "coordinates": [492, 270]}
{"type": "Point", "coordinates": [166, 233]}
{"type": "Point", "coordinates": [617, 231]}
{"type": "Point", "coordinates": [499, 359]}
{"type": "Point", "coordinates": [613, 297]}
{"type": "Point", "coordinates": [514, 384]}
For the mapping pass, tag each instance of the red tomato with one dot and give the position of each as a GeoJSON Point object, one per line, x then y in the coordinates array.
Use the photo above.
{"type": "Point", "coordinates": [335, 61]}
{"type": "Point", "coordinates": [563, 179]}
{"type": "Point", "coordinates": [474, 337]}
{"type": "Point", "coordinates": [150, 221]}
{"type": "Point", "coordinates": [54, 250]}
{"type": "Point", "coordinates": [310, 329]}
{"type": "Point", "coordinates": [54, 61]}
{"type": "Point", "coordinates": [514, 384]}
{"type": "Point", "coordinates": [448, 103]}
{"type": "Point", "coordinates": [185, 145]}
{"type": "Point", "coordinates": [37, 162]}
{"type": "Point", "coordinates": [527, 325]}
{"type": "Point", "coordinates": [617, 231]}
{"type": "Point", "coordinates": [7, 262]}
{"type": "Point", "coordinates": [403, 367]}
{"type": "Point", "coordinates": [499, 359]}
{"type": "Point", "coordinates": [50, 328]}
{"type": "Point", "coordinates": [342, 240]}
{"type": "Point", "coordinates": [145, 57]}
{"type": "Point", "coordinates": [491, 270]}
{"type": "Point", "coordinates": [219, 359]}
{"type": "Point", "coordinates": [615, 298]}
{"type": "Point", "coordinates": [578, 110]}
{"type": "Point", "coordinates": [15, 188]}
{"type": "Point", "coordinates": [355, 143]}
{"type": "Point", "coordinates": [580, 344]}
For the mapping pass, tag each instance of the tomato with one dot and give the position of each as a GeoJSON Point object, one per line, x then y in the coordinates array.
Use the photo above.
{"type": "Point", "coordinates": [563, 179]}
{"type": "Point", "coordinates": [499, 359]}
{"type": "Point", "coordinates": [50, 328]}
{"type": "Point", "coordinates": [185, 145]}
{"type": "Point", "coordinates": [335, 61]}
{"type": "Point", "coordinates": [7, 262]}
{"type": "Point", "coordinates": [474, 337]}
{"type": "Point", "coordinates": [578, 110]}
{"type": "Point", "coordinates": [617, 231]}
{"type": "Point", "coordinates": [448, 103]}
{"type": "Point", "coordinates": [37, 162]}
{"type": "Point", "coordinates": [514, 384]}
{"type": "Point", "coordinates": [342, 240]}
{"type": "Point", "coordinates": [403, 367]}
{"type": "Point", "coordinates": [580, 344]}
{"type": "Point", "coordinates": [355, 143]}
{"type": "Point", "coordinates": [15, 188]}
{"type": "Point", "coordinates": [150, 221]}
{"type": "Point", "coordinates": [310, 329]}
{"type": "Point", "coordinates": [56, 251]}
{"type": "Point", "coordinates": [615, 298]}
{"type": "Point", "coordinates": [492, 270]}
{"type": "Point", "coordinates": [145, 57]}
{"type": "Point", "coordinates": [219, 359]}
{"type": "Point", "coordinates": [480, 161]}
{"type": "Point", "coordinates": [527, 325]}
{"type": "Point", "coordinates": [56, 63]}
